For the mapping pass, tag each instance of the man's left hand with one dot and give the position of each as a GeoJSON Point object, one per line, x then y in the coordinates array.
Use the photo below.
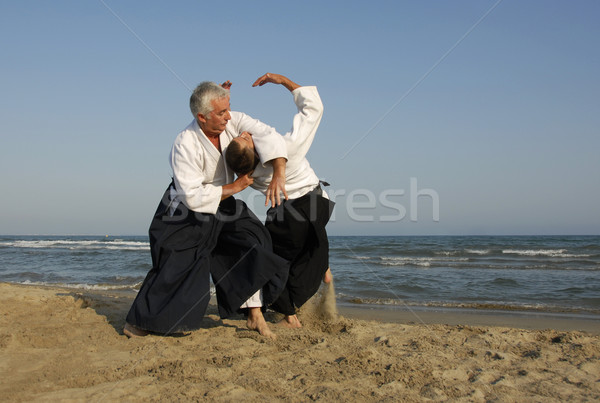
{"type": "Point", "coordinates": [275, 189]}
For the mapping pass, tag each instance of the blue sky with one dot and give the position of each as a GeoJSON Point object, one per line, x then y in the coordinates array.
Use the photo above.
{"type": "Point", "coordinates": [498, 128]}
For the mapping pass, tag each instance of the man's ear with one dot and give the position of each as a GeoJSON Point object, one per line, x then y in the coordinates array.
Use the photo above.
{"type": "Point", "coordinates": [201, 118]}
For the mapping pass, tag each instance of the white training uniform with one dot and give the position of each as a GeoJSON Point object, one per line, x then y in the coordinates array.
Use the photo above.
{"type": "Point", "coordinates": [199, 169]}
{"type": "Point", "coordinates": [300, 178]}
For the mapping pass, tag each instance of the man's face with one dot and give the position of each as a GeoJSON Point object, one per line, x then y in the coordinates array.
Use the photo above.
{"type": "Point", "coordinates": [214, 124]}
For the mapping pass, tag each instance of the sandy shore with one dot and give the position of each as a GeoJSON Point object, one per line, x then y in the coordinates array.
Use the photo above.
{"type": "Point", "coordinates": [66, 345]}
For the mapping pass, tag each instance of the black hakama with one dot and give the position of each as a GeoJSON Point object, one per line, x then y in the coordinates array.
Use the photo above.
{"type": "Point", "coordinates": [297, 228]}
{"type": "Point", "coordinates": [232, 245]}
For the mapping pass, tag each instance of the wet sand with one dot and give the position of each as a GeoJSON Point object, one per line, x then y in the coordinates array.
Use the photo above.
{"type": "Point", "coordinates": [532, 320]}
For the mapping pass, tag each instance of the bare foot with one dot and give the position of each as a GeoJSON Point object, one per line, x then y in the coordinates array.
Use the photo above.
{"type": "Point", "coordinates": [132, 331]}
{"type": "Point", "coordinates": [256, 321]}
{"type": "Point", "coordinates": [328, 277]}
{"type": "Point", "coordinates": [291, 321]}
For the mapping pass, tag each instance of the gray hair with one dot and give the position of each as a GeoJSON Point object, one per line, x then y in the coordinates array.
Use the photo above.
{"type": "Point", "coordinates": [202, 97]}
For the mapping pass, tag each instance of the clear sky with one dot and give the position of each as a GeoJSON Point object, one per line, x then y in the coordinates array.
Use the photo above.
{"type": "Point", "coordinates": [436, 121]}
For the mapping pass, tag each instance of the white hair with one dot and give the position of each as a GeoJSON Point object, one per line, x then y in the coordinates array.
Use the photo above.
{"type": "Point", "coordinates": [202, 97]}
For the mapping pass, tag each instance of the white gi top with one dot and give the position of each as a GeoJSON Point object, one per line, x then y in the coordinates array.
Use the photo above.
{"type": "Point", "coordinates": [299, 176]}
{"type": "Point", "coordinates": [199, 169]}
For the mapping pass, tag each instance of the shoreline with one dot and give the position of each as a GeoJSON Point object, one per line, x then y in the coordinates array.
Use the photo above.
{"type": "Point", "coordinates": [529, 320]}
{"type": "Point", "coordinates": [417, 314]}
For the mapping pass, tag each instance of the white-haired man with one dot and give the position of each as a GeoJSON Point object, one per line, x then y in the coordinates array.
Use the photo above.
{"type": "Point", "coordinates": [199, 230]}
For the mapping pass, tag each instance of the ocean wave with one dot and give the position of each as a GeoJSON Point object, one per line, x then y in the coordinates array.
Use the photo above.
{"type": "Point", "coordinates": [408, 263]}
{"type": "Point", "coordinates": [483, 306]}
{"type": "Point", "coordinates": [478, 251]}
{"type": "Point", "coordinates": [447, 252]}
{"type": "Point", "coordinates": [75, 245]}
{"type": "Point", "coordinates": [378, 301]}
{"type": "Point", "coordinates": [117, 247]}
{"type": "Point", "coordinates": [83, 286]}
{"type": "Point", "coordinates": [419, 261]}
{"type": "Point", "coordinates": [94, 287]}
{"type": "Point", "coordinates": [543, 252]}
{"type": "Point", "coordinates": [461, 252]}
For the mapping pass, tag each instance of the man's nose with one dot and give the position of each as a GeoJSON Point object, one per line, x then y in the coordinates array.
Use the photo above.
{"type": "Point", "coordinates": [228, 116]}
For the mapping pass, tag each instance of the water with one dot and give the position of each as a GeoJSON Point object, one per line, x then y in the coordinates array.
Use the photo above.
{"type": "Point", "coordinates": [548, 273]}
{"type": "Point", "coordinates": [542, 273]}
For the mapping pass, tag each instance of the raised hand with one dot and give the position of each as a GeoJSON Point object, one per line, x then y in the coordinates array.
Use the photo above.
{"type": "Point", "coordinates": [268, 78]}
{"type": "Point", "coordinates": [275, 79]}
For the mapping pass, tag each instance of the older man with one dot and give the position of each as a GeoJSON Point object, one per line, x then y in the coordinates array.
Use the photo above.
{"type": "Point", "coordinates": [297, 226]}
{"type": "Point", "coordinates": [200, 230]}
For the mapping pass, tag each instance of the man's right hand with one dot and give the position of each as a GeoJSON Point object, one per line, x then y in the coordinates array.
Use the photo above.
{"type": "Point", "coordinates": [275, 79]}
{"type": "Point", "coordinates": [241, 183]}
{"type": "Point", "coordinates": [244, 181]}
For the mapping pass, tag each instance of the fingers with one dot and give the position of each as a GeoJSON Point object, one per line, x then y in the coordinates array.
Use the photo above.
{"type": "Point", "coordinates": [267, 78]}
{"type": "Point", "coordinates": [262, 80]}
{"type": "Point", "coordinates": [227, 84]}
{"type": "Point", "coordinates": [278, 198]}
{"type": "Point", "coordinates": [274, 191]}
{"type": "Point", "coordinates": [271, 78]}
{"type": "Point", "coordinates": [273, 197]}
{"type": "Point", "coordinates": [270, 198]}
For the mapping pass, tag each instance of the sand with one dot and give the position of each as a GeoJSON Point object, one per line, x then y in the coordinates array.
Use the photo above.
{"type": "Point", "coordinates": [65, 345]}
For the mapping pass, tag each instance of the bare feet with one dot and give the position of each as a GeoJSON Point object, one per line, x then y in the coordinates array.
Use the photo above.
{"type": "Point", "coordinates": [256, 321]}
{"type": "Point", "coordinates": [328, 277]}
{"type": "Point", "coordinates": [132, 331]}
{"type": "Point", "coordinates": [291, 321]}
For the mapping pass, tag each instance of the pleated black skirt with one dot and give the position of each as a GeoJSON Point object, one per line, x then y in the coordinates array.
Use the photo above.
{"type": "Point", "coordinates": [297, 228]}
{"type": "Point", "coordinates": [232, 246]}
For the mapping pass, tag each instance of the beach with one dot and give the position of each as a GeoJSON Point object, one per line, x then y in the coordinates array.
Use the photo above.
{"type": "Point", "coordinates": [62, 344]}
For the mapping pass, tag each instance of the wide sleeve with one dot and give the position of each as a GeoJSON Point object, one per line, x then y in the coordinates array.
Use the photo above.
{"type": "Point", "coordinates": [187, 162]}
{"type": "Point", "coordinates": [268, 143]}
{"type": "Point", "coordinates": [306, 121]}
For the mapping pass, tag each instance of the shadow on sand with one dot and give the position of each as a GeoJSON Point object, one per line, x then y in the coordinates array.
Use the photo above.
{"type": "Point", "coordinates": [115, 305]}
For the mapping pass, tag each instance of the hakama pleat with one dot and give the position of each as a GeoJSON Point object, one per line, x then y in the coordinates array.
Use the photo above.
{"type": "Point", "coordinates": [298, 232]}
{"type": "Point", "coordinates": [186, 248]}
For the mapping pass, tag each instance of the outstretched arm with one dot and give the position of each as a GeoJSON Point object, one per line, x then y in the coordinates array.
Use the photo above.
{"type": "Point", "coordinates": [275, 79]}
{"type": "Point", "coordinates": [306, 121]}
{"type": "Point", "coordinates": [277, 185]}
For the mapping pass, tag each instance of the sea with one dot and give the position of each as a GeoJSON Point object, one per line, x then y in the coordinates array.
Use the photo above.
{"type": "Point", "coordinates": [559, 274]}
